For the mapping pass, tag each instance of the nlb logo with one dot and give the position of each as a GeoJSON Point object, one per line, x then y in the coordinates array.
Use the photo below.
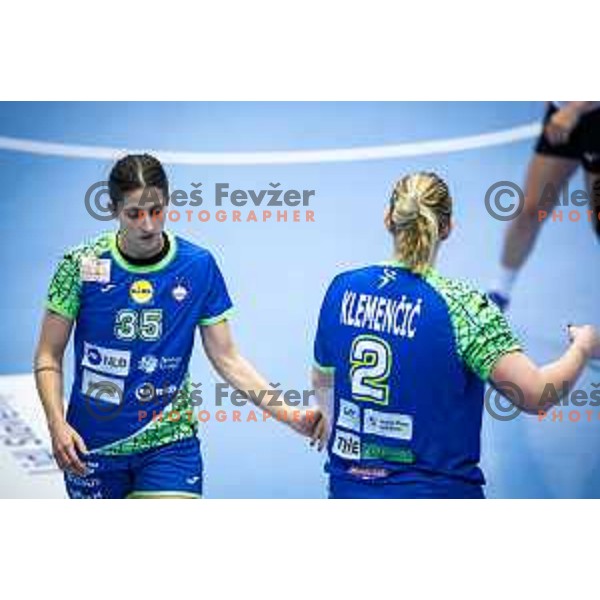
{"type": "Point", "coordinates": [141, 291]}
{"type": "Point", "coordinates": [106, 360]}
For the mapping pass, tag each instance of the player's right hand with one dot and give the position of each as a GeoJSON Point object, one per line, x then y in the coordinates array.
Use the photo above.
{"type": "Point", "coordinates": [66, 442]}
{"type": "Point", "coordinates": [588, 337]}
{"type": "Point", "coordinates": [320, 432]}
{"type": "Point", "coordinates": [561, 124]}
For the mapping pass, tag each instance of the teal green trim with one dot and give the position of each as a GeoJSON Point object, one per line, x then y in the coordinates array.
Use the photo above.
{"type": "Point", "coordinates": [162, 494]}
{"type": "Point", "coordinates": [157, 433]}
{"type": "Point", "coordinates": [327, 370]}
{"type": "Point", "coordinates": [393, 263]}
{"type": "Point", "coordinates": [214, 320]}
{"type": "Point", "coordinates": [59, 311]}
{"type": "Point", "coordinates": [425, 272]}
{"type": "Point", "coordinates": [143, 269]}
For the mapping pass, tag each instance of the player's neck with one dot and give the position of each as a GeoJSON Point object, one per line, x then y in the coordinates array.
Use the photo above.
{"type": "Point", "coordinates": [139, 256]}
{"type": "Point", "coordinates": [396, 258]}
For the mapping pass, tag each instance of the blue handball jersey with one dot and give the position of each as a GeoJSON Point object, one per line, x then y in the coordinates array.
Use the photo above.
{"type": "Point", "coordinates": [410, 354]}
{"type": "Point", "coordinates": [135, 328]}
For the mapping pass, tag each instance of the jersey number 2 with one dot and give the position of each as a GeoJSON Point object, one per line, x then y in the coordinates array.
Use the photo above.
{"type": "Point", "coordinates": [371, 364]}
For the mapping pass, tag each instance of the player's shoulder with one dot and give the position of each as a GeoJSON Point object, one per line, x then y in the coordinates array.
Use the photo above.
{"type": "Point", "coordinates": [96, 247]}
{"type": "Point", "coordinates": [195, 253]}
{"type": "Point", "coordinates": [356, 273]}
{"type": "Point", "coordinates": [451, 285]}
{"type": "Point", "coordinates": [461, 295]}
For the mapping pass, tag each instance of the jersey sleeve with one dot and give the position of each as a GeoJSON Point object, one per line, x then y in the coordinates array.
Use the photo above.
{"type": "Point", "coordinates": [217, 305]}
{"type": "Point", "coordinates": [64, 292]}
{"type": "Point", "coordinates": [323, 355]}
{"type": "Point", "coordinates": [482, 332]}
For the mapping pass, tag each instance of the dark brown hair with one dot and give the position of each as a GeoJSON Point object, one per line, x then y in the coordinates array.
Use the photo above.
{"type": "Point", "coordinates": [136, 171]}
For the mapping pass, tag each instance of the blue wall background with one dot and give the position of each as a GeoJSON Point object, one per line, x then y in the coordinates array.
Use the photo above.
{"type": "Point", "coordinates": [277, 273]}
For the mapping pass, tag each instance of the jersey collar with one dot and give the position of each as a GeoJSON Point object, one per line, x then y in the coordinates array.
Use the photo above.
{"type": "Point", "coordinates": [120, 260]}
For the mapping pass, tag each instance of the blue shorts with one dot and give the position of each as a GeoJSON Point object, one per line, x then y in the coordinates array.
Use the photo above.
{"type": "Point", "coordinates": [346, 488]}
{"type": "Point", "coordinates": [171, 470]}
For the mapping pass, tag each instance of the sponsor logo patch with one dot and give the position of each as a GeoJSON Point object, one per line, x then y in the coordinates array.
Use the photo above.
{"type": "Point", "coordinates": [391, 425]}
{"type": "Point", "coordinates": [95, 269]}
{"type": "Point", "coordinates": [150, 363]}
{"type": "Point", "coordinates": [388, 276]}
{"type": "Point", "coordinates": [106, 360]}
{"type": "Point", "coordinates": [346, 445]}
{"type": "Point", "coordinates": [101, 387]}
{"type": "Point", "coordinates": [141, 291]}
{"type": "Point", "coordinates": [145, 392]}
{"type": "Point", "coordinates": [349, 416]}
{"type": "Point", "coordinates": [148, 391]}
{"type": "Point", "coordinates": [388, 453]}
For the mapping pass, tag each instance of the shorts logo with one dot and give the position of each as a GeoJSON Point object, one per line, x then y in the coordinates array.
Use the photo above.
{"type": "Point", "coordinates": [95, 269]}
{"type": "Point", "coordinates": [180, 292]}
{"type": "Point", "coordinates": [346, 445]}
{"type": "Point", "coordinates": [391, 425]}
{"type": "Point", "coordinates": [349, 416]}
{"type": "Point", "coordinates": [141, 291]}
{"type": "Point", "coordinates": [105, 360]}
{"type": "Point", "coordinates": [102, 388]}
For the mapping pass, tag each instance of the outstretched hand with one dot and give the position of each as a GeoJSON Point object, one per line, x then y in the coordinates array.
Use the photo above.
{"type": "Point", "coordinates": [320, 432]}
{"type": "Point", "coordinates": [588, 337]}
{"type": "Point", "coordinates": [313, 424]}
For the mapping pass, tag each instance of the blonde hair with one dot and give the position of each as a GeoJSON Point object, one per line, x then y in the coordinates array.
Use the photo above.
{"type": "Point", "coordinates": [420, 208]}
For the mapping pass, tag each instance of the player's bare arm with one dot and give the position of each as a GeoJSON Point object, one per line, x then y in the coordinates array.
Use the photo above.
{"type": "Point", "coordinates": [240, 373]}
{"type": "Point", "coordinates": [48, 371]}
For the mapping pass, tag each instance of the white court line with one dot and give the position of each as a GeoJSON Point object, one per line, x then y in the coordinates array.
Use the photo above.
{"type": "Point", "coordinates": [484, 140]}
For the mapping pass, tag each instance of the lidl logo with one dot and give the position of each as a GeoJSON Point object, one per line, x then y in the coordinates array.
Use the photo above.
{"type": "Point", "coordinates": [141, 291]}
